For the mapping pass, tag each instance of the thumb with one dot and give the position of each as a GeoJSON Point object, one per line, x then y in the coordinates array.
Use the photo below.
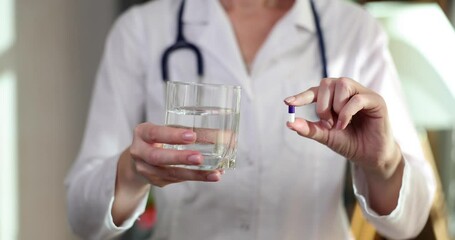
{"type": "Point", "coordinates": [312, 130]}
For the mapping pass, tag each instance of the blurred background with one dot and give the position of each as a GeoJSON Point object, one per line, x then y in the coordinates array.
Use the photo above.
{"type": "Point", "coordinates": [49, 54]}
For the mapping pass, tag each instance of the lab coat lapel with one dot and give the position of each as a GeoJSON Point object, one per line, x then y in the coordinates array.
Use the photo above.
{"type": "Point", "coordinates": [216, 37]}
{"type": "Point", "coordinates": [291, 33]}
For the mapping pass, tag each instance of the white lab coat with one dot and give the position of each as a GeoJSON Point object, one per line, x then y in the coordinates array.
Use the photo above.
{"type": "Point", "coordinates": [284, 186]}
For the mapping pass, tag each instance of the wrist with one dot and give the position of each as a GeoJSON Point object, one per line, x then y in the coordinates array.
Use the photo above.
{"type": "Point", "coordinates": [386, 166]}
{"type": "Point", "coordinates": [384, 183]}
{"type": "Point", "coordinates": [130, 188]}
{"type": "Point", "coordinates": [127, 174]}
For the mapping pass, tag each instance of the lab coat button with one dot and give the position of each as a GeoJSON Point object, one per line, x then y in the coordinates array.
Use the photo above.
{"type": "Point", "coordinates": [250, 162]}
{"type": "Point", "coordinates": [245, 226]}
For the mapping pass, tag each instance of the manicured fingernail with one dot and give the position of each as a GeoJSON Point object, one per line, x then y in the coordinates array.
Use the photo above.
{"type": "Point", "coordinates": [290, 99]}
{"type": "Point", "coordinates": [214, 177]}
{"type": "Point", "coordinates": [195, 159]}
{"type": "Point", "coordinates": [188, 136]}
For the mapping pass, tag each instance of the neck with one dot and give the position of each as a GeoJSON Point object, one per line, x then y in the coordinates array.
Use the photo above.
{"type": "Point", "coordinates": [255, 4]}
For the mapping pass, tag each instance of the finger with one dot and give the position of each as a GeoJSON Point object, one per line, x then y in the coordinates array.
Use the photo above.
{"type": "Point", "coordinates": [369, 103]}
{"type": "Point", "coordinates": [151, 133]}
{"type": "Point", "coordinates": [161, 176]}
{"type": "Point", "coordinates": [312, 130]}
{"type": "Point", "coordinates": [149, 173]}
{"type": "Point", "coordinates": [210, 136]}
{"type": "Point", "coordinates": [162, 157]}
{"type": "Point", "coordinates": [184, 174]}
{"type": "Point", "coordinates": [324, 102]}
{"type": "Point", "coordinates": [345, 88]}
{"type": "Point", "coordinates": [303, 98]}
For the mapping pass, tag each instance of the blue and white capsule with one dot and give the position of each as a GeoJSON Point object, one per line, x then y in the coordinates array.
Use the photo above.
{"type": "Point", "coordinates": [291, 114]}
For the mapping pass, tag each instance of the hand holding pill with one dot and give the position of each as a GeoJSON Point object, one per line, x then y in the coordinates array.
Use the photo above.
{"type": "Point", "coordinates": [354, 122]}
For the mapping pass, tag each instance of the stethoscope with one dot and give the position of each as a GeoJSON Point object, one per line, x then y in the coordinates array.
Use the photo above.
{"type": "Point", "coordinates": [182, 43]}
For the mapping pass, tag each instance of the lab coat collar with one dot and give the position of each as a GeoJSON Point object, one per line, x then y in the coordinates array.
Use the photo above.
{"type": "Point", "coordinates": [303, 16]}
{"type": "Point", "coordinates": [198, 12]}
{"type": "Point", "coordinates": [215, 32]}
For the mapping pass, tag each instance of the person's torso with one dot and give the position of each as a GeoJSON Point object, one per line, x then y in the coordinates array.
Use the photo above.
{"type": "Point", "coordinates": [284, 186]}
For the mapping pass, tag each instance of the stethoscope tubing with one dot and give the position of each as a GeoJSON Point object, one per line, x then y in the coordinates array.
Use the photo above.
{"type": "Point", "coordinates": [321, 41]}
{"type": "Point", "coordinates": [182, 43]}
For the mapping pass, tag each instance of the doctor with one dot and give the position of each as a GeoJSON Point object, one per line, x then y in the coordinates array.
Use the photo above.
{"type": "Point", "coordinates": [289, 177]}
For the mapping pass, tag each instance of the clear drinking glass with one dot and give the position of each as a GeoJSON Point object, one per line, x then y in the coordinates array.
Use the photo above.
{"type": "Point", "coordinates": [212, 112]}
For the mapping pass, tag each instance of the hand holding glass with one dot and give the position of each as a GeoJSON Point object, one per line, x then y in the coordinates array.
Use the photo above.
{"type": "Point", "coordinates": [212, 112]}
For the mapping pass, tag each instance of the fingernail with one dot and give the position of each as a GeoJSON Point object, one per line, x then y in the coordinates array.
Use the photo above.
{"type": "Point", "coordinates": [290, 99]}
{"type": "Point", "coordinates": [195, 159]}
{"type": "Point", "coordinates": [188, 136]}
{"type": "Point", "coordinates": [338, 126]}
{"type": "Point", "coordinates": [222, 171]}
{"type": "Point", "coordinates": [214, 177]}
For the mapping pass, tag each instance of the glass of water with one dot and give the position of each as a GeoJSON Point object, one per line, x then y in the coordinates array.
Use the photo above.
{"type": "Point", "coordinates": [212, 112]}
